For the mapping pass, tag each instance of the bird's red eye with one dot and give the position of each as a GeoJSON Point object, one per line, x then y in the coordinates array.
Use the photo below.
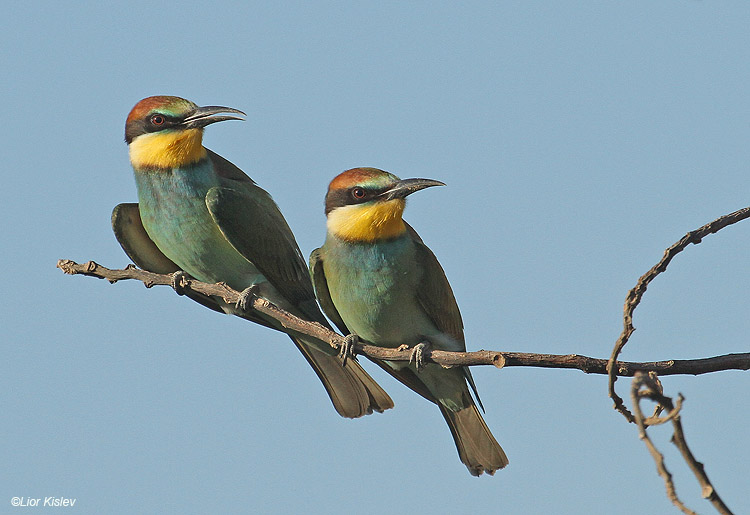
{"type": "Point", "coordinates": [158, 120]}
{"type": "Point", "coordinates": [358, 193]}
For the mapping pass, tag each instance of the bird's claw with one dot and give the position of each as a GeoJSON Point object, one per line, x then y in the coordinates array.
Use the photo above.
{"type": "Point", "coordinates": [244, 298]}
{"type": "Point", "coordinates": [179, 281]}
{"type": "Point", "coordinates": [418, 353]}
{"type": "Point", "coordinates": [347, 349]}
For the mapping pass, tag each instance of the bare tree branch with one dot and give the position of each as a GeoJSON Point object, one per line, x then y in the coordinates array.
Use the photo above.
{"type": "Point", "coordinates": [636, 395]}
{"type": "Point", "coordinates": [445, 358]}
{"type": "Point", "coordinates": [636, 294]}
{"type": "Point", "coordinates": [647, 385]}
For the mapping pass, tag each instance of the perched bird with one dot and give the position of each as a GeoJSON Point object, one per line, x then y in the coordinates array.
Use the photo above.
{"type": "Point", "coordinates": [199, 214]}
{"type": "Point", "coordinates": [376, 279]}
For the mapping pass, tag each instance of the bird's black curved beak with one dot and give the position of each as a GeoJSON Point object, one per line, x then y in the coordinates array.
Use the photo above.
{"type": "Point", "coordinates": [203, 116]}
{"type": "Point", "coordinates": [408, 186]}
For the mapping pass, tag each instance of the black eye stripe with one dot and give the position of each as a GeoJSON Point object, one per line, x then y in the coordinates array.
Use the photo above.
{"type": "Point", "coordinates": [360, 194]}
{"type": "Point", "coordinates": [146, 125]}
{"type": "Point", "coordinates": [158, 121]}
{"type": "Point", "coordinates": [347, 197]}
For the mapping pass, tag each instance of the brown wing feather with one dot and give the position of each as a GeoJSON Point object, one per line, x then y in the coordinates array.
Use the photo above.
{"type": "Point", "coordinates": [130, 233]}
{"type": "Point", "coordinates": [226, 169]}
{"type": "Point", "coordinates": [253, 224]}
{"type": "Point", "coordinates": [318, 276]}
{"type": "Point", "coordinates": [132, 236]}
{"type": "Point", "coordinates": [435, 293]}
{"type": "Point", "coordinates": [436, 297]}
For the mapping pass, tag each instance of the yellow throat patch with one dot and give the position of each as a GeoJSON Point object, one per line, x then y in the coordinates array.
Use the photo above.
{"type": "Point", "coordinates": [368, 222]}
{"type": "Point", "coordinates": [170, 149]}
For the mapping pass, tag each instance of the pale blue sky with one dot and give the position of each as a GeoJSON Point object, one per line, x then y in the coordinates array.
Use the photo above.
{"type": "Point", "coordinates": [577, 140]}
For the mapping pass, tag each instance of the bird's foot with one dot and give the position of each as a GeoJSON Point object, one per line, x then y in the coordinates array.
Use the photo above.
{"type": "Point", "coordinates": [347, 349]}
{"type": "Point", "coordinates": [179, 281]}
{"type": "Point", "coordinates": [243, 301]}
{"type": "Point", "coordinates": [418, 353]}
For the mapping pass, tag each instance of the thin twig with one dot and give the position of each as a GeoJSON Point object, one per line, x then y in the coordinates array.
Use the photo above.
{"type": "Point", "coordinates": [647, 385]}
{"type": "Point", "coordinates": [445, 358]}
{"type": "Point", "coordinates": [636, 394]}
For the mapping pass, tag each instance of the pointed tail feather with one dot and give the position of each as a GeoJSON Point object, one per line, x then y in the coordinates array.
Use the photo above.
{"type": "Point", "coordinates": [353, 392]}
{"type": "Point", "coordinates": [477, 448]}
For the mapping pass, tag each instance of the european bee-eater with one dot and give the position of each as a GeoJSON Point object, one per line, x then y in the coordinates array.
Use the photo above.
{"type": "Point", "coordinates": [376, 279]}
{"type": "Point", "coordinates": [198, 213]}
